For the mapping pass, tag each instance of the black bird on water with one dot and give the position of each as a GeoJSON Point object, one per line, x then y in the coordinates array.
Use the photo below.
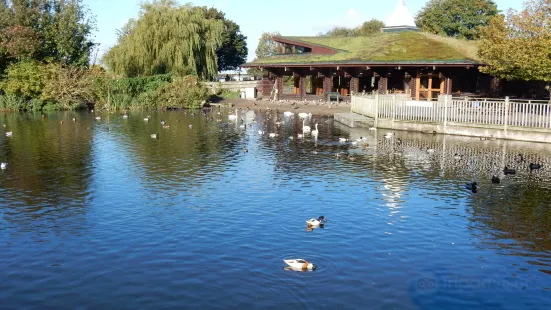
{"type": "Point", "coordinates": [507, 171]}
{"type": "Point", "coordinates": [495, 180]}
{"type": "Point", "coordinates": [473, 187]}
{"type": "Point", "coordinates": [534, 167]}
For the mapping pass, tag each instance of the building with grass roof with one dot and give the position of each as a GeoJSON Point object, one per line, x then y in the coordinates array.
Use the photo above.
{"type": "Point", "coordinates": [399, 59]}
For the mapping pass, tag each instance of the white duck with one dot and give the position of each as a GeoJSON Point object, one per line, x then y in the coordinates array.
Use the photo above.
{"type": "Point", "coordinates": [372, 128]}
{"type": "Point", "coordinates": [305, 129]}
{"type": "Point", "coordinates": [300, 264]}
{"type": "Point", "coordinates": [9, 134]}
{"type": "Point", "coordinates": [343, 139]}
{"type": "Point", "coordinates": [3, 166]}
{"type": "Point", "coordinates": [389, 135]}
{"type": "Point", "coordinates": [316, 131]}
{"type": "Point", "coordinates": [154, 136]}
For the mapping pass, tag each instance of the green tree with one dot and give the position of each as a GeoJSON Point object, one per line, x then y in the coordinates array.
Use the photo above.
{"type": "Point", "coordinates": [519, 46]}
{"type": "Point", "coordinates": [339, 32]}
{"type": "Point", "coordinates": [167, 37]}
{"type": "Point", "coordinates": [56, 30]}
{"type": "Point", "coordinates": [370, 27]}
{"type": "Point", "coordinates": [266, 45]}
{"type": "Point", "coordinates": [456, 18]}
{"type": "Point", "coordinates": [233, 51]}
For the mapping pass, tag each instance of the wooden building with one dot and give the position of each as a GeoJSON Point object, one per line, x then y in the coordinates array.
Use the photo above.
{"type": "Point", "coordinates": [400, 59]}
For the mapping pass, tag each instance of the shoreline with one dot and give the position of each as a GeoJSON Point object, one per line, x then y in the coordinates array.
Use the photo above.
{"type": "Point", "coordinates": [318, 108]}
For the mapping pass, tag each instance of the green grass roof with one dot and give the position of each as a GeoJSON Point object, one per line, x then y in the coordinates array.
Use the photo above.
{"type": "Point", "coordinates": [409, 47]}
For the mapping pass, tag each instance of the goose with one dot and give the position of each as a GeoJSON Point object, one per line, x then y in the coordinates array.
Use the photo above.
{"type": "Point", "coordinates": [316, 222]}
{"type": "Point", "coordinates": [316, 131]}
{"type": "Point", "coordinates": [534, 167]}
{"type": "Point", "coordinates": [495, 180]}
{"type": "Point", "coordinates": [299, 265]}
{"type": "Point", "coordinates": [9, 134]}
{"type": "Point", "coordinates": [507, 171]}
{"type": "Point", "coordinates": [163, 122]}
{"type": "Point", "coordinates": [288, 113]}
{"type": "Point", "coordinates": [3, 166]}
{"type": "Point", "coordinates": [61, 122]}
{"type": "Point", "coordinates": [473, 187]}
{"type": "Point", "coordinates": [190, 126]}
{"type": "Point", "coordinates": [233, 117]}
{"type": "Point", "coordinates": [339, 155]}
{"type": "Point", "coordinates": [74, 119]}
{"type": "Point", "coordinates": [305, 129]}
{"type": "Point", "coordinates": [154, 136]}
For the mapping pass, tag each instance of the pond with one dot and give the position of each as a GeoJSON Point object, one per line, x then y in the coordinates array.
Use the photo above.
{"type": "Point", "coordinates": [97, 214]}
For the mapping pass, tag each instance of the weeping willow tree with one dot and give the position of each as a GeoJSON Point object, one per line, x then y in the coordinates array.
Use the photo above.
{"type": "Point", "coordinates": [167, 38]}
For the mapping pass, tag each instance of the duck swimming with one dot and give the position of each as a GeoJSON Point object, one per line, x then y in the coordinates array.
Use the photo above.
{"type": "Point", "coordinates": [495, 180]}
{"type": "Point", "coordinates": [534, 167]}
{"type": "Point", "coordinates": [3, 166]}
{"type": "Point", "coordinates": [507, 171]}
{"type": "Point", "coordinates": [473, 187]}
{"type": "Point", "coordinates": [299, 265]}
{"type": "Point", "coordinates": [9, 134]}
{"type": "Point", "coordinates": [316, 222]}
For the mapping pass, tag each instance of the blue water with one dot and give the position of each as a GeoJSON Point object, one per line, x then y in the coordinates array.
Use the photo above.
{"type": "Point", "coordinates": [96, 214]}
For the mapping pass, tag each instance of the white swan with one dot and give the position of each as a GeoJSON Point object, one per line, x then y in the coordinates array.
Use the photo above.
{"type": "Point", "coordinates": [316, 131]}
{"type": "Point", "coordinates": [9, 134]}
{"type": "Point", "coordinates": [3, 166]}
{"type": "Point", "coordinates": [233, 117]}
{"type": "Point", "coordinates": [305, 129]}
{"type": "Point", "coordinates": [288, 113]}
{"type": "Point", "coordinates": [299, 264]}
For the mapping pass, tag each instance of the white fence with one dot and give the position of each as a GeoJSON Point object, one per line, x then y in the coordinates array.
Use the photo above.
{"type": "Point", "coordinates": [504, 113]}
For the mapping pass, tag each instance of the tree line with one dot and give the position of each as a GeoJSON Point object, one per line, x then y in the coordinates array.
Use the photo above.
{"type": "Point", "coordinates": [158, 61]}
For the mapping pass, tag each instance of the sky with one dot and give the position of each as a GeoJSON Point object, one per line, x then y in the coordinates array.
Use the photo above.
{"type": "Point", "coordinates": [289, 17]}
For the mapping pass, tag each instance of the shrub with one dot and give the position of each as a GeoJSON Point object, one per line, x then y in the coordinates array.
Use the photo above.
{"type": "Point", "coordinates": [24, 79]}
{"type": "Point", "coordinates": [11, 102]}
{"type": "Point", "coordinates": [185, 92]}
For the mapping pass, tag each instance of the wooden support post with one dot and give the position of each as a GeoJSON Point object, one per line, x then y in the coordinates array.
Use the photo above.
{"type": "Point", "coordinates": [327, 85]}
{"type": "Point", "coordinates": [429, 95]}
{"type": "Point", "coordinates": [302, 87]}
{"type": "Point", "coordinates": [417, 86]}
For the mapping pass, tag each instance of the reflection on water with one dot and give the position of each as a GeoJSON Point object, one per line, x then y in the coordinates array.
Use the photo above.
{"type": "Point", "coordinates": [96, 213]}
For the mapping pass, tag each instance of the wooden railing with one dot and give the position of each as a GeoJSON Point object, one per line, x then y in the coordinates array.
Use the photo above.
{"type": "Point", "coordinates": [506, 113]}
